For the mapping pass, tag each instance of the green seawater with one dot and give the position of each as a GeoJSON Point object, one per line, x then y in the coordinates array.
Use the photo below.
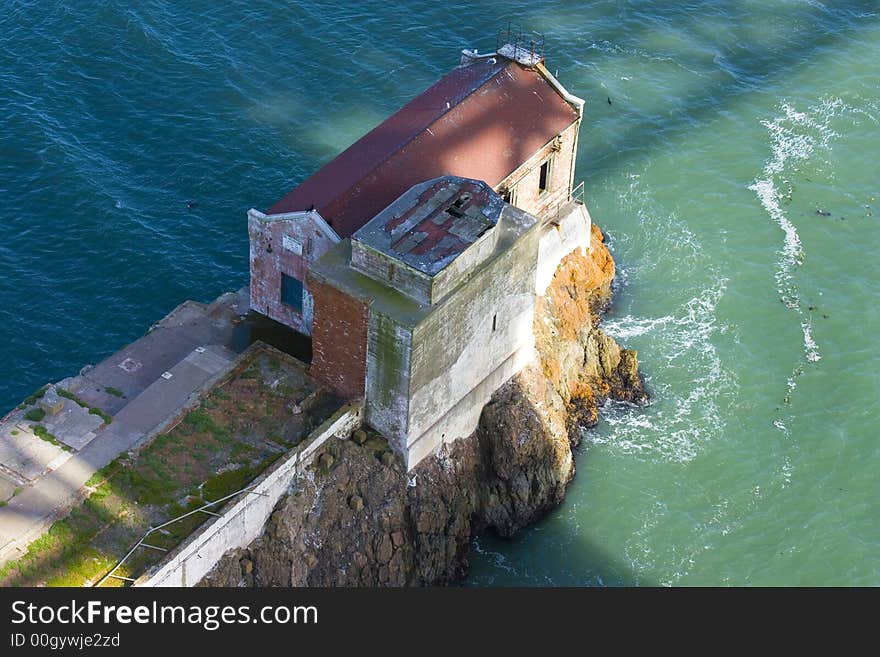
{"type": "Point", "coordinates": [734, 173]}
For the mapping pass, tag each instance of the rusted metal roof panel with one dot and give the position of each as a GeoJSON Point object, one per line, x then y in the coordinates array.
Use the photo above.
{"type": "Point", "coordinates": [480, 121]}
{"type": "Point", "coordinates": [434, 222]}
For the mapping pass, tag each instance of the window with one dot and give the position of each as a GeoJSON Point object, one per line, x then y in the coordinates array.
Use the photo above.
{"type": "Point", "coordinates": [544, 180]}
{"type": "Point", "coordinates": [494, 322]}
{"type": "Point", "coordinates": [509, 195]}
{"type": "Point", "coordinates": [291, 244]}
{"type": "Point", "coordinates": [291, 292]}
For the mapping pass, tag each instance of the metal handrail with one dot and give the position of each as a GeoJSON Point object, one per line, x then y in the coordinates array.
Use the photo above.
{"type": "Point", "coordinates": [530, 42]}
{"type": "Point", "coordinates": [576, 195]}
{"type": "Point", "coordinates": [140, 543]}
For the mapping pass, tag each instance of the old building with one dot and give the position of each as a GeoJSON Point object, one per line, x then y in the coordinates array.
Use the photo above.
{"type": "Point", "coordinates": [500, 118]}
{"type": "Point", "coordinates": [413, 259]}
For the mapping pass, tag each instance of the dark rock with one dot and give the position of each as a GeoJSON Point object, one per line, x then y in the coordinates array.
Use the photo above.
{"type": "Point", "coordinates": [511, 471]}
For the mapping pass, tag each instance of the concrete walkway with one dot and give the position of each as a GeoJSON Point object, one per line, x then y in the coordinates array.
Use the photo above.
{"type": "Point", "coordinates": [183, 355]}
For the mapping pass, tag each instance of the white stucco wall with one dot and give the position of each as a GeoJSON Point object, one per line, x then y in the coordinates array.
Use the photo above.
{"type": "Point", "coordinates": [558, 240]}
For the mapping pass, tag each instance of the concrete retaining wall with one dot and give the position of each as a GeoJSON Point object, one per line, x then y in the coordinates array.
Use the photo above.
{"type": "Point", "coordinates": [571, 231]}
{"type": "Point", "coordinates": [243, 521]}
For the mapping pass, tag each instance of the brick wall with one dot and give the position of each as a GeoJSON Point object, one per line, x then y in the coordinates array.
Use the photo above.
{"type": "Point", "coordinates": [269, 259]}
{"type": "Point", "coordinates": [339, 340]}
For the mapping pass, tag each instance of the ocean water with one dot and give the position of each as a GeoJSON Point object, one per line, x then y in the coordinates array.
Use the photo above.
{"type": "Point", "coordinates": [734, 172]}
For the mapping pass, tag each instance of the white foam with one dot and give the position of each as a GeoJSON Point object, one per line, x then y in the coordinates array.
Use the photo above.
{"type": "Point", "coordinates": [795, 137]}
{"type": "Point", "coordinates": [677, 424]}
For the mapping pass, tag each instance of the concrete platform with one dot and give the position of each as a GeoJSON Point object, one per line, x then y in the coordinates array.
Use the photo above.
{"type": "Point", "coordinates": [73, 425]}
{"type": "Point", "coordinates": [7, 488]}
{"type": "Point", "coordinates": [152, 381]}
{"type": "Point", "coordinates": [25, 457]}
{"type": "Point", "coordinates": [132, 369]}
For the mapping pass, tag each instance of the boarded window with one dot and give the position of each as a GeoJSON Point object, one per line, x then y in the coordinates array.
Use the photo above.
{"type": "Point", "coordinates": [291, 292]}
{"type": "Point", "coordinates": [544, 180]}
{"type": "Point", "coordinates": [292, 245]}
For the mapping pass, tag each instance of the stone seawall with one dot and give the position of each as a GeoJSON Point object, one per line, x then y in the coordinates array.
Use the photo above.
{"type": "Point", "coordinates": [361, 519]}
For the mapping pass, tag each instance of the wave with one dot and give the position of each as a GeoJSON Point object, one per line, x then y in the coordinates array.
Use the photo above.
{"type": "Point", "coordinates": [795, 138]}
{"type": "Point", "coordinates": [682, 419]}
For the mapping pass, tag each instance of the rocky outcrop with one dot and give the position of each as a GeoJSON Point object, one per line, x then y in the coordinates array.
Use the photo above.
{"type": "Point", "coordinates": [358, 519]}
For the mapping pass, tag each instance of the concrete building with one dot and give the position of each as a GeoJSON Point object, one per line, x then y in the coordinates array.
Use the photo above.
{"type": "Point", "coordinates": [413, 258]}
{"type": "Point", "coordinates": [501, 118]}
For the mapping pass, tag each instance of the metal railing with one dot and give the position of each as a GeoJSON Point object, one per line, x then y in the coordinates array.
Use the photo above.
{"type": "Point", "coordinates": [554, 210]}
{"type": "Point", "coordinates": [142, 544]}
{"type": "Point", "coordinates": [522, 41]}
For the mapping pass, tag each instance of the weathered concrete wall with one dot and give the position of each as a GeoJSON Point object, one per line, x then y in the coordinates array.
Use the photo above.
{"type": "Point", "coordinates": [388, 377]}
{"type": "Point", "coordinates": [339, 340]}
{"type": "Point", "coordinates": [285, 243]}
{"type": "Point", "coordinates": [391, 272]}
{"type": "Point", "coordinates": [243, 522]}
{"type": "Point", "coordinates": [525, 180]}
{"type": "Point", "coordinates": [475, 255]}
{"type": "Point", "coordinates": [461, 420]}
{"type": "Point", "coordinates": [570, 232]}
{"type": "Point", "coordinates": [467, 338]}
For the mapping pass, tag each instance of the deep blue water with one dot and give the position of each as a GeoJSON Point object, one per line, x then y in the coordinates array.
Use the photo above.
{"type": "Point", "coordinates": [731, 124]}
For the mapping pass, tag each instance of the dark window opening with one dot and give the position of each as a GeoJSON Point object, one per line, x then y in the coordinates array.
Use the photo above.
{"type": "Point", "coordinates": [544, 181]}
{"type": "Point", "coordinates": [291, 292]}
{"type": "Point", "coordinates": [509, 195]}
{"type": "Point", "coordinates": [455, 208]}
{"type": "Point", "coordinates": [494, 322]}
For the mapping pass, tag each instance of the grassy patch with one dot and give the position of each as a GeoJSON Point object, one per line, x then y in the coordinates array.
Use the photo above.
{"type": "Point", "coordinates": [35, 415]}
{"type": "Point", "coordinates": [15, 432]}
{"type": "Point", "coordinates": [34, 396]}
{"type": "Point", "coordinates": [240, 449]}
{"type": "Point", "coordinates": [179, 471]}
{"type": "Point", "coordinates": [101, 414]}
{"type": "Point", "coordinates": [116, 392]}
{"type": "Point", "coordinates": [94, 410]}
{"type": "Point", "coordinates": [69, 395]}
{"type": "Point", "coordinates": [43, 433]}
{"type": "Point", "coordinates": [17, 491]}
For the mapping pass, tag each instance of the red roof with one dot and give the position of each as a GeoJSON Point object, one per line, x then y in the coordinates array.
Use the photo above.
{"type": "Point", "coordinates": [479, 121]}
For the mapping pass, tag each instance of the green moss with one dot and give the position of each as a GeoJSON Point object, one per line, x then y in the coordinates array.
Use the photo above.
{"type": "Point", "coordinates": [389, 360]}
{"type": "Point", "coordinates": [69, 395]}
{"type": "Point", "coordinates": [221, 485]}
{"type": "Point", "coordinates": [143, 488]}
{"type": "Point", "coordinates": [17, 491]}
{"type": "Point", "coordinates": [35, 415]}
{"type": "Point", "coordinates": [34, 396]}
{"type": "Point", "coordinates": [240, 449]}
{"type": "Point", "coordinates": [101, 414]}
{"type": "Point", "coordinates": [92, 409]}
{"type": "Point", "coordinates": [116, 392]}
{"type": "Point", "coordinates": [15, 432]}
{"type": "Point", "coordinates": [43, 433]}
{"type": "Point", "coordinates": [200, 422]}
